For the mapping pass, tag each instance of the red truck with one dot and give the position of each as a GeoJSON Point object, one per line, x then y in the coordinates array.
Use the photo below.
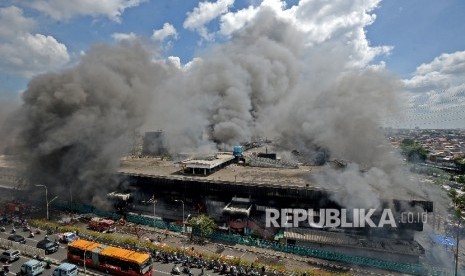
{"type": "Point", "coordinates": [102, 225]}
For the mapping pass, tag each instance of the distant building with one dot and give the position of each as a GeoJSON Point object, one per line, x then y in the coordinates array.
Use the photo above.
{"type": "Point", "coordinates": [154, 143]}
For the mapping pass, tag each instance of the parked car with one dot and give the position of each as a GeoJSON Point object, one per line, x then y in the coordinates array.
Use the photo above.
{"type": "Point", "coordinates": [68, 237]}
{"type": "Point", "coordinates": [10, 255]}
{"type": "Point", "coordinates": [49, 246]}
{"type": "Point", "coordinates": [17, 238]}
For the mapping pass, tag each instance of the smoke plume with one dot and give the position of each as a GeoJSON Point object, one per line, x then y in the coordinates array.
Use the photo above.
{"type": "Point", "coordinates": [268, 80]}
{"type": "Point", "coordinates": [74, 125]}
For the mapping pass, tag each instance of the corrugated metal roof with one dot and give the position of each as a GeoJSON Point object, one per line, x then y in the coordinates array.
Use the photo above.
{"type": "Point", "coordinates": [84, 244]}
{"type": "Point", "coordinates": [125, 254]}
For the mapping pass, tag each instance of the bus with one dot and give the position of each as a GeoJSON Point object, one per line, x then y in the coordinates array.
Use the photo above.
{"type": "Point", "coordinates": [110, 259]}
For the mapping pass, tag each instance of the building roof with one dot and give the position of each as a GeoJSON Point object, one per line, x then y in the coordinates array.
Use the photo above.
{"type": "Point", "coordinates": [218, 160]}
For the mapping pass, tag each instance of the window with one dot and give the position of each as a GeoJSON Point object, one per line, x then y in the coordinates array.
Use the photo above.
{"type": "Point", "coordinates": [76, 252]}
{"type": "Point", "coordinates": [145, 266]}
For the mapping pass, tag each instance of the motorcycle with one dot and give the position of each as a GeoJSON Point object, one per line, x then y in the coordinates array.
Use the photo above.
{"type": "Point", "coordinates": [175, 270]}
{"type": "Point", "coordinates": [224, 269]}
{"type": "Point", "coordinates": [186, 270]}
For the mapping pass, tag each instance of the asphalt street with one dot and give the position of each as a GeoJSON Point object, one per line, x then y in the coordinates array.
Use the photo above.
{"type": "Point", "coordinates": [60, 255]}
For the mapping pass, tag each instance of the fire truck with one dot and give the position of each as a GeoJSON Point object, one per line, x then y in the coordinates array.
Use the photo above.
{"type": "Point", "coordinates": [15, 207]}
{"type": "Point", "coordinates": [102, 225]}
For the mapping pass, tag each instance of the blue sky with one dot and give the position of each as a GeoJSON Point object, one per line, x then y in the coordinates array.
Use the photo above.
{"type": "Point", "coordinates": [54, 33]}
{"type": "Point", "coordinates": [418, 30]}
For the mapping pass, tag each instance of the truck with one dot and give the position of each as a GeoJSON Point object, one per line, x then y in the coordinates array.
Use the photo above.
{"type": "Point", "coordinates": [102, 225]}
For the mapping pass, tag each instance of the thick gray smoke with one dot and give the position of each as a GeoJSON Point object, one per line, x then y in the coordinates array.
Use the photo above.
{"type": "Point", "coordinates": [7, 131]}
{"type": "Point", "coordinates": [74, 125]}
{"type": "Point", "coordinates": [267, 81]}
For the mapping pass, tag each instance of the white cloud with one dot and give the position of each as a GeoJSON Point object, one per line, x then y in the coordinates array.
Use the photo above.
{"type": "Point", "coordinates": [437, 92]}
{"type": "Point", "coordinates": [63, 10]}
{"type": "Point", "coordinates": [13, 22]}
{"type": "Point", "coordinates": [231, 22]}
{"type": "Point", "coordinates": [32, 54]}
{"type": "Point", "coordinates": [444, 72]}
{"type": "Point", "coordinates": [338, 26]}
{"type": "Point", "coordinates": [124, 36]}
{"type": "Point", "coordinates": [25, 53]}
{"type": "Point", "coordinates": [204, 13]}
{"type": "Point", "coordinates": [168, 30]}
{"type": "Point", "coordinates": [174, 61]}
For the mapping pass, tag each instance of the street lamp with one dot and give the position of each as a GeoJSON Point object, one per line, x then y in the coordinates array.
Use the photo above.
{"type": "Point", "coordinates": [458, 244]}
{"type": "Point", "coordinates": [46, 197]}
{"type": "Point", "coordinates": [154, 201]}
{"type": "Point", "coordinates": [85, 252]}
{"type": "Point", "coordinates": [183, 222]}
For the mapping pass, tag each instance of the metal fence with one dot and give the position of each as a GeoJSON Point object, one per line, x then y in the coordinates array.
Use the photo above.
{"type": "Point", "coordinates": [146, 221]}
{"type": "Point", "coordinates": [414, 268]}
{"type": "Point", "coordinates": [25, 250]}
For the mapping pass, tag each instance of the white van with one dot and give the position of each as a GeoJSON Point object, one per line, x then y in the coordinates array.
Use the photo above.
{"type": "Point", "coordinates": [32, 268]}
{"type": "Point", "coordinates": [66, 269]}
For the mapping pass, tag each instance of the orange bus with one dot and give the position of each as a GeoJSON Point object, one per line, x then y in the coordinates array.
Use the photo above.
{"type": "Point", "coordinates": [110, 259]}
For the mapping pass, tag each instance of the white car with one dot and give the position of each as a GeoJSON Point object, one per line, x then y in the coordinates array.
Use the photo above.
{"type": "Point", "coordinates": [10, 255]}
{"type": "Point", "coordinates": [68, 237]}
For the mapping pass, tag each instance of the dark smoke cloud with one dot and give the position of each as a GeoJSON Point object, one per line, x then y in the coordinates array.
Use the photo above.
{"type": "Point", "coordinates": [232, 88]}
{"type": "Point", "coordinates": [74, 125]}
{"type": "Point", "coordinates": [8, 109]}
{"type": "Point", "coordinates": [267, 81]}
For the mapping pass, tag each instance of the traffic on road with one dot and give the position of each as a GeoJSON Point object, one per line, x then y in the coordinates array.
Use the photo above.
{"type": "Point", "coordinates": [161, 263]}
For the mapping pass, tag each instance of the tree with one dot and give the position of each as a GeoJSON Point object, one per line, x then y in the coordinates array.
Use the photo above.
{"type": "Point", "coordinates": [413, 150]}
{"type": "Point", "coordinates": [453, 196]}
{"type": "Point", "coordinates": [460, 164]}
{"type": "Point", "coordinates": [459, 206]}
{"type": "Point", "coordinates": [458, 200]}
{"type": "Point", "coordinates": [203, 225]}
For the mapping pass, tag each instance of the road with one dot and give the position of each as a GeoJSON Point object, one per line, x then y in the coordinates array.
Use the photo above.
{"type": "Point", "coordinates": [16, 266]}
{"type": "Point", "coordinates": [60, 256]}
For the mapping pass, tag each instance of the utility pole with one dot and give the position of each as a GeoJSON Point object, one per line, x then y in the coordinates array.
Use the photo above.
{"type": "Point", "coordinates": [85, 252]}
{"type": "Point", "coordinates": [457, 251]}
{"type": "Point", "coordinates": [47, 203]}
{"type": "Point", "coordinates": [154, 201]}
{"type": "Point", "coordinates": [183, 222]}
